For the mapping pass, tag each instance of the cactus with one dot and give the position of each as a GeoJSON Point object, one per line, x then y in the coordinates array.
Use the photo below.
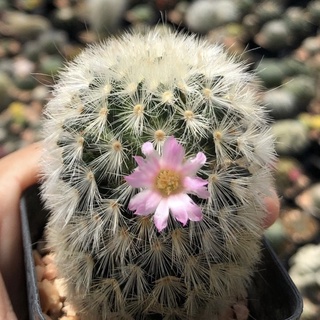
{"type": "Point", "coordinates": [139, 125]}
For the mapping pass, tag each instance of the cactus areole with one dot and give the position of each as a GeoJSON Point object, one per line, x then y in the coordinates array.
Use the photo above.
{"type": "Point", "coordinates": [156, 164]}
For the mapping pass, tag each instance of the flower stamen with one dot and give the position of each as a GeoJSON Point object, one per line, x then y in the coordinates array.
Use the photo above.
{"type": "Point", "coordinates": [168, 182]}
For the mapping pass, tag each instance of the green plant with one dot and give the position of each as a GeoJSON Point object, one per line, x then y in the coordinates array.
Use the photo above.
{"type": "Point", "coordinates": [189, 116]}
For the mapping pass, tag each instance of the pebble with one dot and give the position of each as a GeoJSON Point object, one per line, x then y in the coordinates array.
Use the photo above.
{"type": "Point", "coordinates": [305, 272]}
{"type": "Point", "coordinates": [267, 11]}
{"type": "Point", "coordinates": [49, 297]}
{"type": "Point", "coordinates": [270, 72]}
{"type": "Point", "coordinates": [276, 236]}
{"type": "Point", "coordinates": [37, 258]}
{"type": "Point", "coordinates": [29, 5]}
{"type": "Point", "coordinates": [309, 200]}
{"type": "Point", "coordinates": [40, 93]}
{"type": "Point", "coordinates": [140, 14]}
{"type": "Point", "coordinates": [281, 104]}
{"type": "Point", "coordinates": [203, 16]}
{"type": "Point", "coordinates": [299, 226]}
{"type": "Point", "coordinates": [5, 85]}
{"type": "Point", "coordinates": [50, 271]}
{"type": "Point", "coordinates": [50, 65]}
{"type": "Point", "coordinates": [22, 67]}
{"type": "Point", "coordinates": [303, 87]}
{"type": "Point", "coordinates": [290, 178]}
{"type": "Point", "coordinates": [48, 258]}
{"type": "Point", "coordinates": [105, 16]}
{"type": "Point", "coordinates": [52, 41]}
{"type": "Point", "coordinates": [61, 287]}
{"type": "Point", "coordinates": [52, 290]}
{"type": "Point", "coordinates": [291, 137]}
{"type": "Point", "coordinates": [241, 310]}
{"type": "Point", "coordinates": [274, 35]}
{"type": "Point", "coordinates": [39, 272]}
{"type": "Point", "coordinates": [22, 25]}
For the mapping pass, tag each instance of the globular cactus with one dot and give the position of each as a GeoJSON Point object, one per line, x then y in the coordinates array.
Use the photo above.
{"type": "Point", "coordinates": [156, 166]}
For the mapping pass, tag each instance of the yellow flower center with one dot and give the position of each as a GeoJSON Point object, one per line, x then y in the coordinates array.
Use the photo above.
{"type": "Point", "coordinates": [168, 182]}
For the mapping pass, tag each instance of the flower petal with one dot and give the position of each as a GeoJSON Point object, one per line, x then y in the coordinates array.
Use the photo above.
{"type": "Point", "coordinates": [183, 208]}
{"type": "Point", "coordinates": [144, 175]}
{"type": "Point", "coordinates": [196, 185]}
{"type": "Point", "coordinates": [178, 208]}
{"type": "Point", "coordinates": [138, 179]}
{"type": "Point", "coordinates": [144, 202]}
{"type": "Point", "coordinates": [152, 157]}
{"type": "Point", "coordinates": [147, 148]}
{"type": "Point", "coordinates": [161, 215]}
{"type": "Point", "coordinates": [194, 212]}
{"type": "Point", "coordinates": [191, 166]}
{"type": "Point", "coordinates": [139, 160]}
{"type": "Point", "coordinates": [173, 154]}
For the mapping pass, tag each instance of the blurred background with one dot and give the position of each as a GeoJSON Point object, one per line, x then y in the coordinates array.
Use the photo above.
{"type": "Point", "coordinates": [280, 41]}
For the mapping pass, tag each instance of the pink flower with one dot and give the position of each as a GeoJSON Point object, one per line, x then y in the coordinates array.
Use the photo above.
{"type": "Point", "coordinates": [166, 181]}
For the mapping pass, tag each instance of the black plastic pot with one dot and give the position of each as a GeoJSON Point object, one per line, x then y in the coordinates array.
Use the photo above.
{"type": "Point", "coordinates": [272, 296]}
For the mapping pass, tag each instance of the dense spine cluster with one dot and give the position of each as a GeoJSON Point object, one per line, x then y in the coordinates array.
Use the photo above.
{"type": "Point", "coordinates": [112, 99]}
